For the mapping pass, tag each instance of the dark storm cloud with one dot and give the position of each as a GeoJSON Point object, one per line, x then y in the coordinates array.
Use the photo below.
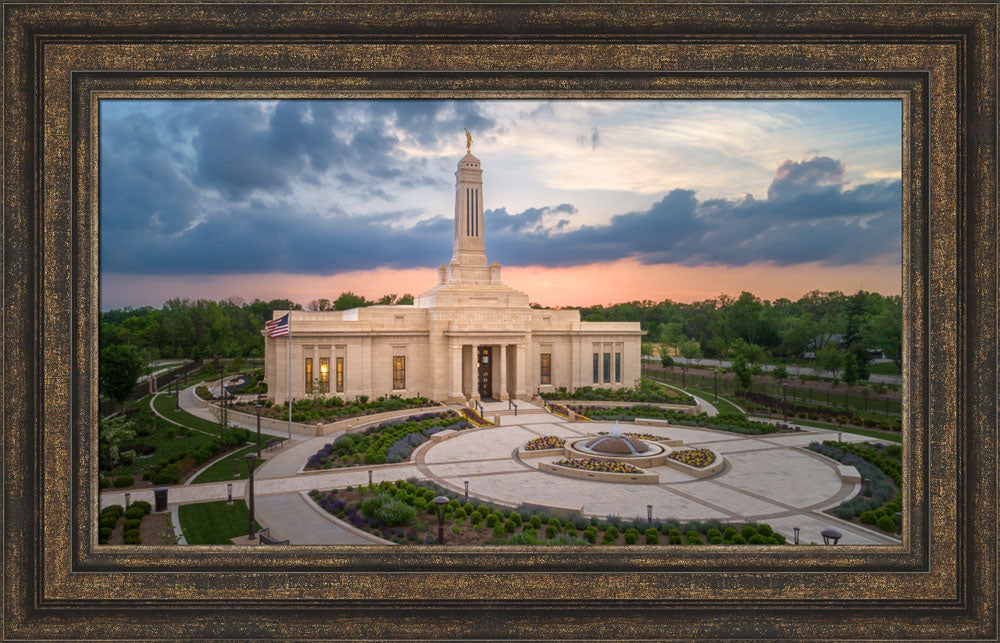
{"type": "Point", "coordinates": [221, 201]}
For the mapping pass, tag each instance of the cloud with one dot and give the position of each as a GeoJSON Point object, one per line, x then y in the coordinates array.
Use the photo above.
{"type": "Point", "coordinates": [592, 140]}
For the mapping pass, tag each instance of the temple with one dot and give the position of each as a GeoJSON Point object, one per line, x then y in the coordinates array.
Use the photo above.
{"type": "Point", "coordinates": [469, 337]}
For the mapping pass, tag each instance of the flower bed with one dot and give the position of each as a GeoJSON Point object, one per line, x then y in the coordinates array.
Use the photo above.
{"type": "Point", "coordinates": [559, 410]}
{"type": "Point", "coordinates": [332, 409]}
{"type": "Point", "coordinates": [880, 465]}
{"type": "Point", "coordinates": [698, 458]}
{"type": "Point", "coordinates": [545, 442]}
{"type": "Point", "coordinates": [391, 441]}
{"type": "Point", "coordinates": [474, 417]}
{"type": "Point", "coordinates": [642, 436]}
{"type": "Point", "coordinates": [601, 466]}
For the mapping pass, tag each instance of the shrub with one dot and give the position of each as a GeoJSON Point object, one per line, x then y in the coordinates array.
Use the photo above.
{"type": "Point", "coordinates": [492, 520]}
{"type": "Point", "coordinates": [124, 481]}
{"type": "Point", "coordinates": [609, 537]}
{"type": "Point", "coordinates": [748, 531]}
{"type": "Point", "coordinates": [477, 518]}
{"type": "Point", "coordinates": [631, 536]}
{"type": "Point", "coordinates": [108, 522]}
{"type": "Point", "coordinates": [535, 521]}
{"type": "Point", "coordinates": [117, 510]}
{"type": "Point", "coordinates": [756, 539]}
{"type": "Point", "coordinates": [388, 509]}
{"type": "Point", "coordinates": [868, 517]}
{"type": "Point", "coordinates": [456, 529]}
{"type": "Point", "coordinates": [498, 529]}
{"type": "Point", "coordinates": [765, 530]}
{"type": "Point", "coordinates": [103, 483]}
{"type": "Point", "coordinates": [887, 523]}
{"type": "Point", "coordinates": [145, 506]}
{"type": "Point", "coordinates": [131, 523]}
{"type": "Point", "coordinates": [509, 527]}
{"type": "Point", "coordinates": [652, 536]}
{"type": "Point", "coordinates": [132, 537]}
{"type": "Point", "coordinates": [104, 535]}
{"type": "Point", "coordinates": [590, 534]}
{"type": "Point", "coordinates": [715, 533]}
{"type": "Point", "coordinates": [729, 533]}
{"type": "Point", "coordinates": [134, 513]}
{"type": "Point", "coordinates": [739, 540]}
{"type": "Point", "coordinates": [516, 519]}
{"type": "Point", "coordinates": [692, 538]}
{"type": "Point", "coordinates": [674, 536]}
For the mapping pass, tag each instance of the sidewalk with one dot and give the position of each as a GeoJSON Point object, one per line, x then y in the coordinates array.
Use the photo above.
{"type": "Point", "coordinates": [186, 402]}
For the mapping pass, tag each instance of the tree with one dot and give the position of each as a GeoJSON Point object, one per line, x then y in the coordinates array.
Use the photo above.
{"type": "Point", "coordinates": [319, 304]}
{"type": "Point", "coordinates": [112, 434]}
{"type": "Point", "coordinates": [690, 350]}
{"type": "Point", "coordinates": [120, 367]}
{"type": "Point", "coordinates": [348, 300]}
{"type": "Point", "coordinates": [829, 358]}
{"type": "Point", "coordinates": [780, 373]}
{"type": "Point", "coordinates": [744, 377]}
{"type": "Point", "coordinates": [665, 358]}
{"type": "Point", "coordinates": [850, 370]}
{"type": "Point", "coordinates": [405, 300]}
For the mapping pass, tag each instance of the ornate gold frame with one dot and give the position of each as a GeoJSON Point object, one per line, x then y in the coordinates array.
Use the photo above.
{"type": "Point", "coordinates": [939, 60]}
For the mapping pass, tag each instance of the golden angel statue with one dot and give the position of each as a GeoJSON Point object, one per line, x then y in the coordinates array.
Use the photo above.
{"type": "Point", "coordinates": [468, 141]}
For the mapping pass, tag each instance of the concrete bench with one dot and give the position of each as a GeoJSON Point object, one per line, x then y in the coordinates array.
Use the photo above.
{"type": "Point", "coordinates": [265, 538]}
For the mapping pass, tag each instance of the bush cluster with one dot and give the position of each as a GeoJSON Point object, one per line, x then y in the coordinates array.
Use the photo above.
{"type": "Point", "coordinates": [333, 408]}
{"type": "Point", "coordinates": [880, 465]}
{"type": "Point", "coordinates": [731, 422]}
{"type": "Point", "coordinates": [647, 391]}
{"type": "Point", "coordinates": [818, 412]}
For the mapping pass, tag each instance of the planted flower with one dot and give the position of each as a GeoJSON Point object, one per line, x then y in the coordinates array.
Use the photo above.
{"type": "Point", "coordinates": [698, 458]}
{"type": "Point", "coordinates": [545, 442]}
{"type": "Point", "coordinates": [601, 466]}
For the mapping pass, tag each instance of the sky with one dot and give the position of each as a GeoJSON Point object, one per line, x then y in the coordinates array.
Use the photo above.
{"type": "Point", "coordinates": [586, 202]}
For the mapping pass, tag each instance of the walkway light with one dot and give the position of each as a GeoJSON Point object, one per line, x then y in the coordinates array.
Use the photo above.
{"type": "Point", "coordinates": [440, 502]}
{"type": "Point", "coordinates": [466, 490]}
{"type": "Point", "coordinates": [229, 491]}
{"type": "Point", "coordinates": [251, 461]}
{"type": "Point", "coordinates": [649, 513]}
{"type": "Point", "coordinates": [127, 496]}
{"type": "Point", "coordinates": [784, 393]}
{"type": "Point", "coordinates": [831, 535]}
{"type": "Point", "coordinates": [796, 530]}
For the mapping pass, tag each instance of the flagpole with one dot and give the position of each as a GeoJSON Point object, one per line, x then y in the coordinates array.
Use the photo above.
{"type": "Point", "coordinates": [289, 376]}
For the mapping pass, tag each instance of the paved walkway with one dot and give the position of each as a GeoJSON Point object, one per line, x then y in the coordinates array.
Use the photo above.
{"type": "Point", "coordinates": [768, 478]}
{"type": "Point", "coordinates": [187, 402]}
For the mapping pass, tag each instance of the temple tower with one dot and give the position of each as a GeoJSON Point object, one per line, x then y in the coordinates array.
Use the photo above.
{"type": "Point", "coordinates": [468, 248]}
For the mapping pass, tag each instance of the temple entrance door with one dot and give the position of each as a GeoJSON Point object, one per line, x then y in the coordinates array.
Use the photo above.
{"type": "Point", "coordinates": [485, 370]}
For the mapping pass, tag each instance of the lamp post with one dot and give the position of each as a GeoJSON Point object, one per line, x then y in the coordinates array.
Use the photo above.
{"type": "Point", "coordinates": [127, 496]}
{"type": "Point", "coordinates": [899, 524]}
{"type": "Point", "coordinates": [251, 461]}
{"type": "Point", "coordinates": [784, 394]}
{"type": "Point", "coordinates": [649, 513]}
{"type": "Point", "coordinates": [831, 535]}
{"type": "Point", "coordinates": [716, 373]}
{"type": "Point", "coordinates": [257, 407]}
{"type": "Point", "coordinates": [796, 530]}
{"type": "Point", "coordinates": [466, 490]}
{"type": "Point", "coordinates": [229, 492]}
{"type": "Point", "coordinates": [440, 502]}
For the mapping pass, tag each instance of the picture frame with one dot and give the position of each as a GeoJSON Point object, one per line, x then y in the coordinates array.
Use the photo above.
{"type": "Point", "coordinates": [938, 59]}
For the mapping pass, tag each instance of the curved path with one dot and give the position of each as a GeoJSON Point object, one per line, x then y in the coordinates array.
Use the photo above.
{"type": "Point", "coordinates": [768, 478]}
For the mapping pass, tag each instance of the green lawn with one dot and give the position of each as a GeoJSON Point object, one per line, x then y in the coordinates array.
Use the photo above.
{"type": "Point", "coordinates": [165, 405]}
{"type": "Point", "coordinates": [722, 405]}
{"type": "Point", "coordinates": [892, 437]}
{"type": "Point", "coordinates": [225, 469]}
{"type": "Point", "coordinates": [214, 523]}
{"type": "Point", "coordinates": [887, 368]}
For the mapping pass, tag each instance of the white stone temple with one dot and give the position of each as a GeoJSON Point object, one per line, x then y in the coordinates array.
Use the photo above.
{"type": "Point", "coordinates": [468, 337]}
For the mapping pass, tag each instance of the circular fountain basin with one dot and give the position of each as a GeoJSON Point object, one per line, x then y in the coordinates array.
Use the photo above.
{"type": "Point", "coordinates": [622, 448]}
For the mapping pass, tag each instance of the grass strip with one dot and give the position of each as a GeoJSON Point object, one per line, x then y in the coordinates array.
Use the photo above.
{"type": "Point", "coordinates": [214, 523]}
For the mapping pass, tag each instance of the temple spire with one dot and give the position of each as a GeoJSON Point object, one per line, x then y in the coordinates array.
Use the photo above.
{"type": "Point", "coordinates": [468, 248]}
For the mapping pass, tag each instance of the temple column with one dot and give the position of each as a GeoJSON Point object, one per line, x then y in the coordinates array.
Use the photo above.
{"type": "Point", "coordinates": [474, 374]}
{"type": "Point", "coordinates": [455, 383]}
{"type": "Point", "coordinates": [503, 374]}
{"type": "Point", "coordinates": [521, 373]}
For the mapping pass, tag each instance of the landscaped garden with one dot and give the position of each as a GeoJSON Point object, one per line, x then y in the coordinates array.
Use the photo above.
{"type": "Point", "coordinates": [214, 523]}
{"type": "Point", "coordinates": [880, 465]}
{"type": "Point", "coordinates": [733, 423]}
{"type": "Point", "coordinates": [647, 391]}
{"type": "Point", "coordinates": [391, 441]}
{"type": "Point", "coordinates": [145, 450]}
{"type": "Point", "coordinates": [332, 408]}
{"type": "Point", "coordinates": [816, 412]}
{"type": "Point", "coordinates": [403, 512]}
{"type": "Point", "coordinates": [134, 526]}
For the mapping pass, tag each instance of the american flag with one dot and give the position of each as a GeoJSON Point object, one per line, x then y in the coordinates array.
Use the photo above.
{"type": "Point", "coordinates": [278, 327]}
